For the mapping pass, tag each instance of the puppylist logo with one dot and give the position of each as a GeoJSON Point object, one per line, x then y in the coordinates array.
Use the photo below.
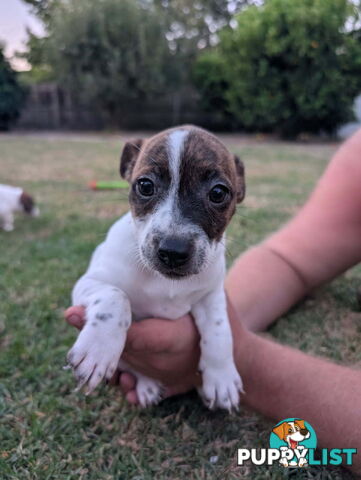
{"type": "Point", "coordinates": [293, 443]}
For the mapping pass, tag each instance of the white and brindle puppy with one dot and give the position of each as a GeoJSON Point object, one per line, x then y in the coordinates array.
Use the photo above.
{"type": "Point", "coordinates": [14, 199]}
{"type": "Point", "coordinates": [165, 258]}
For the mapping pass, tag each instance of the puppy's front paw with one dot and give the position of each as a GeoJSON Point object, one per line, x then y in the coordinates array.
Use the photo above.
{"type": "Point", "coordinates": [221, 388]}
{"type": "Point", "coordinates": [302, 462]}
{"type": "Point", "coordinates": [95, 356]}
{"type": "Point", "coordinates": [149, 391]}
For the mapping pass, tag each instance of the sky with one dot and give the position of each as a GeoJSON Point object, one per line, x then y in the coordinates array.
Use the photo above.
{"type": "Point", "coordinates": [15, 17]}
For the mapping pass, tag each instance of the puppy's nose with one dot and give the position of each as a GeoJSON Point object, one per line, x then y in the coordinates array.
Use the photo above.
{"type": "Point", "coordinates": [304, 431]}
{"type": "Point", "coordinates": [174, 252]}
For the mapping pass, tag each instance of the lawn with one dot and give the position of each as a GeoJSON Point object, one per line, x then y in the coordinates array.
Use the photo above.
{"type": "Point", "coordinates": [49, 432]}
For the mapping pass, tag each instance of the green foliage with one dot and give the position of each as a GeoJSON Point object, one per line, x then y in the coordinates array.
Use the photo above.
{"type": "Point", "coordinates": [37, 55]}
{"type": "Point", "coordinates": [43, 8]}
{"type": "Point", "coordinates": [11, 94]}
{"type": "Point", "coordinates": [208, 75]}
{"type": "Point", "coordinates": [185, 27]}
{"type": "Point", "coordinates": [107, 52]}
{"type": "Point", "coordinates": [193, 24]}
{"type": "Point", "coordinates": [289, 65]}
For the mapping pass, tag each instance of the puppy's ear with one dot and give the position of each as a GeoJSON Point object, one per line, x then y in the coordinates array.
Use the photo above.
{"type": "Point", "coordinates": [129, 156]}
{"type": "Point", "coordinates": [241, 184]}
{"type": "Point", "coordinates": [279, 431]}
{"type": "Point", "coordinates": [301, 424]}
{"type": "Point", "coordinates": [27, 202]}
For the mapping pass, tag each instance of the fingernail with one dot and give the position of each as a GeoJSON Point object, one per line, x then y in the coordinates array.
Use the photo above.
{"type": "Point", "coordinates": [74, 318]}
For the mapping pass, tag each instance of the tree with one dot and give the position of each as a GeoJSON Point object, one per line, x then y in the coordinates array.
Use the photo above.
{"type": "Point", "coordinates": [188, 27]}
{"type": "Point", "coordinates": [108, 52]}
{"type": "Point", "coordinates": [43, 8]}
{"type": "Point", "coordinates": [192, 25]}
{"type": "Point", "coordinates": [290, 66]}
{"type": "Point", "coordinates": [11, 94]}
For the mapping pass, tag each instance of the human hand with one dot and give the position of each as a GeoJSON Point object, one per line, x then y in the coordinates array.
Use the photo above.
{"type": "Point", "coordinates": [164, 350]}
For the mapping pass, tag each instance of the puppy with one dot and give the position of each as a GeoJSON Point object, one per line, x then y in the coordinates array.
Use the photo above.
{"type": "Point", "coordinates": [165, 258]}
{"type": "Point", "coordinates": [292, 433]}
{"type": "Point", "coordinates": [14, 199]}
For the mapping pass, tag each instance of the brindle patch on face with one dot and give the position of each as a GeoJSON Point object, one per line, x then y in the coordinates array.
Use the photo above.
{"type": "Point", "coordinates": [183, 169]}
{"type": "Point", "coordinates": [205, 163]}
{"type": "Point", "coordinates": [153, 163]}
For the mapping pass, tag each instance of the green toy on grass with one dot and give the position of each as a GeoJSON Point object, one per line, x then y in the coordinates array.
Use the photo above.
{"type": "Point", "coordinates": [110, 185]}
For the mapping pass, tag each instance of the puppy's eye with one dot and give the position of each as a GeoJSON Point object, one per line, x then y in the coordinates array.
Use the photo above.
{"type": "Point", "coordinates": [145, 187]}
{"type": "Point", "coordinates": [218, 194]}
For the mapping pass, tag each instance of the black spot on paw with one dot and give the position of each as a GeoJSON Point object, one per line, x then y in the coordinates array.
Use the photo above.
{"type": "Point", "coordinates": [104, 316]}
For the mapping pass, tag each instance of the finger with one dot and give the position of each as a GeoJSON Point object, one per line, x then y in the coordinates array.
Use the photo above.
{"type": "Point", "coordinates": [158, 335]}
{"type": "Point", "coordinates": [75, 316]}
{"type": "Point", "coordinates": [127, 382]}
{"type": "Point", "coordinates": [132, 397]}
{"type": "Point", "coordinates": [151, 335]}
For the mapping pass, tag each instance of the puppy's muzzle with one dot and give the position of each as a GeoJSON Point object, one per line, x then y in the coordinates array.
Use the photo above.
{"type": "Point", "coordinates": [174, 252]}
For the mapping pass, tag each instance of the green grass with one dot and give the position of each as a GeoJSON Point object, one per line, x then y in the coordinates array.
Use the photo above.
{"type": "Point", "coordinates": [49, 432]}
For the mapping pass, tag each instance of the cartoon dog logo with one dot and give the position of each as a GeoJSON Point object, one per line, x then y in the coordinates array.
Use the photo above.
{"type": "Point", "coordinates": [292, 433]}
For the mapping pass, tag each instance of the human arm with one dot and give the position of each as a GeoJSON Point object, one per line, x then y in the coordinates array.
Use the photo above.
{"type": "Point", "coordinates": [319, 243]}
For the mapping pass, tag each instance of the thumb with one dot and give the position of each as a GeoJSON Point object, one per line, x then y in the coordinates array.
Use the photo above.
{"type": "Point", "coordinates": [75, 316]}
{"type": "Point", "coordinates": [153, 335]}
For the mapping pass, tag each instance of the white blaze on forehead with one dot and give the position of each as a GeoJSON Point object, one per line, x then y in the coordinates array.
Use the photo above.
{"type": "Point", "coordinates": [165, 216]}
{"type": "Point", "coordinates": [175, 145]}
{"type": "Point", "coordinates": [292, 425]}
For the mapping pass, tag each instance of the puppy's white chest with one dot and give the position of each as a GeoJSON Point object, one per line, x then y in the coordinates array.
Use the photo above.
{"type": "Point", "coordinates": [162, 308]}
{"type": "Point", "coordinates": [155, 299]}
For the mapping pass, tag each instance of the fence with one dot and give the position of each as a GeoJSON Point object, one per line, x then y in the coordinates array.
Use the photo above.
{"type": "Point", "coordinates": [49, 106]}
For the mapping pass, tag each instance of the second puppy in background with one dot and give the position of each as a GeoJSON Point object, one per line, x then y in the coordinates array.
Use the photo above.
{"type": "Point", "coordinates": [165, 258]}
{"type": "Point", "coordinates": [14, 199]}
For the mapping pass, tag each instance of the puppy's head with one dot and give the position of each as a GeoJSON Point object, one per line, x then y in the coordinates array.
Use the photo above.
{"type": "Point", "coordinates": [28, 205]}
{"type": "Point", "coordinates": [185, 186]}
{"type": "Point", "coordinates": [292, 432]}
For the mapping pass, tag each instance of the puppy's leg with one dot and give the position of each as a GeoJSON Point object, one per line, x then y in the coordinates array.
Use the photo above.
{"type": "Point", "coordinates": [96, 352]}
{"type": "Point", "coordinates": [8, 221]}
{"type": "Point", "coordinates": [149, 391]}
{"type": "Point", "coordinates": [221, 381]}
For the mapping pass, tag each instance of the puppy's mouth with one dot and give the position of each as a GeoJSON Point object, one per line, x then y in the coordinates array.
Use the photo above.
{"type": "Point", "coordinates": [293, 443]}
{"type": "Point", "coordinates": [173, 274]}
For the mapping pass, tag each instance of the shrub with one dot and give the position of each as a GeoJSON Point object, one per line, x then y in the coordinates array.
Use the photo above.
{"type": "Point", "coordinates": [288, 66]}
